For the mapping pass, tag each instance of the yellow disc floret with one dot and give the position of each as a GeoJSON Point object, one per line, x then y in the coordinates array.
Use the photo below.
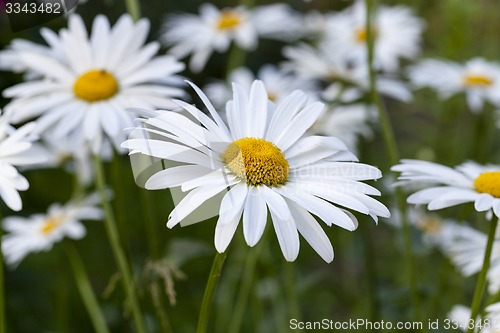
{"type": "Point", "coordinates": [257, 161]}
{"type": "Point", "coordinates": [228, 19]}
{"type": "Point", "coordinates": [95, 85]}
{"type": "Point", "coordinates": [51, 223]}
{"type": "Point", "coordinates": [361, 34]}
{"type": "Point", "coordinates": [488, 182]}
{"type": "Point", "coordinates": [477, 80]}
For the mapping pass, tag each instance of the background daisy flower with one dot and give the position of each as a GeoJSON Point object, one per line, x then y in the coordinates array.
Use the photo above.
{"type": "Point", "coordinates": [477, 78]}
{"type": "Point", "coordinates": [40, 232]}
{"type": "Point", "coordinates": [16, 149]}
{"type": "Point", "coordinates": [447, 187]}
{"type": "Point", "coordinates": [279, 84]}
{"type": "Point", "coordinates": [397, 34]}
{"type": "Point", "coordinates": [91, 81]}
{"type": "Point", "coordinates": [215, 30]}
{"type": "Point", "coordinates": [264, 158]}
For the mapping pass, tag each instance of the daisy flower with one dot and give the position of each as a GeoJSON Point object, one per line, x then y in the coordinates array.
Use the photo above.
{"type": "Point", "coordinates": [262, 156]}
{"type": "Point", "coordinates": [85, 82]}
{"type": "Point", "coordinates": [348, 123]}
{"type": "Point", "coordinates": [460, 316]}
{"type": "Point", "coordinates": [40, 232]}
{"type": "Point", "coordinates": [397, 34]}
{"type": "Point", "coordinates": [214, 30]}
{"type": "Point", "coordinates": [278, 83]}
{"type": "Point", "coordinates": [465, 247]}
{"type": "Point", "coordinates": [477, 78]}
{"type": "Point", "coordinates": [326, 64]}
{"type": "Point", "coordinates": [16, 149]}
{"type": "Point", "coordinates": [447, 187]}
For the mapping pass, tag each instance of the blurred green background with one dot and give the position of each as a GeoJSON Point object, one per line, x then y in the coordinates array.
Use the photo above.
{"type": "Point", "coordinates": [41, 295]}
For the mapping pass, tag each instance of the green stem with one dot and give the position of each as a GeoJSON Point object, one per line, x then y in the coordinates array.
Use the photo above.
{"type": "Point", "coordinates": [133, 8]}
{"type": "Point", "coordinates": [208, 296]}
{"type": "Point", "coordinates": [481, 281]}
{"type": "Point", "coordinates": [392, 149]}
{"type": "Point", "coordinates": [244, 290]}
{"type": "Point", "coordinates": [371, 274]}
{"type": "Point", "coordinates": [3, 325]}
{"type": "Point", "coordinates": [85, 289]}
{"type": "Point", "coordinates": [236, 59]}
{"type": "Point", "coordinates": [153, 242]}
{"type": "Point", "coordinates": [291, 290]}
{"type": "Point", "coordinates": [112, 231]}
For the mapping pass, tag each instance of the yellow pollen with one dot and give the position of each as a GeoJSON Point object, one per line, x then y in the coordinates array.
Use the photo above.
{"type": "Point", "coordinates": [228, 20]}
{"type": "Point", "coordinates": [360, 35]}
{"type": "Point", "coordinates": [271, 96]}
{"type": "Point", "coordinates": [488, 182]}
{"type": "Point", "coordinates": [430, 225]}
{"type": "Point", "coordinates": [95, 85]}
{"type": "Point", "coordinates": [51, 223]}
{"type": "Point", "coordinates": [477, 80]}
{"type": "Point", "coordinates": [257, 161]}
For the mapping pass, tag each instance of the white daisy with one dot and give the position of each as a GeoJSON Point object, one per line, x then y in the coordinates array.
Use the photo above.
{"type": "Point", "coordinates": [469, 182]}
{"type": "Point", "coordinates": [214, 30]}
{"type": "Point", "coordinates": [348, 123]}
{"type": "Point", "coordinates": [16, 149]}
{"type": "Point", "coordinates": [40, 231]}
{"type": "Point", "coordinates": [75, 161]}
{"type": "Point", "coordinates": [278, 83]}
{"type": "Point", "coordinates": [477, 78]}
{"type": "Point", "coordinates": [460, 316]}
{"type": "Point", "coordinates": [90, 80]}
{"type": "Point", "coordinates": [264, 158]}
{"type": "Point", "coordinates": [326, 64]}
{"type": "Point", "coordinates": [397, 34]}
{"type": "Point", "coordinates": [465, 247]}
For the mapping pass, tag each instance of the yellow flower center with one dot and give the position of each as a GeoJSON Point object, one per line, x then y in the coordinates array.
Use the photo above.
{"type": "Point", "coordinates": [272, 96]}
{"type": "Point", "coordinates": [95, 85]}
{"type": "Point", "coordinates": [477, 80]}
{"type": "Point", "coordinates": [257, 161]}
{"type": "Point", "coordinates": [51, 223]}
{"type": "Point", "coordinates": [430, 225]}
{"type": "Point", "coordinates": [361, 35]}
{"type": "Point", "coordinates": [488, 182]}
{"type": "Point", "coordinates": [228, 19]}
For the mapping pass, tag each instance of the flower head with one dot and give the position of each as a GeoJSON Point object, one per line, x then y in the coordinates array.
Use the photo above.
{"type": "Point", "coordinates": [16, 149]}
{"type": "Point", "coordinates": [84, 83]}
{"type": "Point", "coordinates": [214, 30]}
{"type": "Point", "coordinates": [397, 33]}
{"type": "Point", "coordinates": [477, 78]}
{"type": "Point", "coordinates": [469, 182]}
{"type": "Point", "coordinates": [266, 162]}
{"type": "Point", "coordinates": [39, 232]}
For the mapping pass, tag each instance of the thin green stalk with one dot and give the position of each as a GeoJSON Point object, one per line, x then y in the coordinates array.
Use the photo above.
{"type": "Point", "coordinates": [291, 290]}
{"type": "Point", "coordinates": [371, 274]}
{"type": "Point", "coordinates": [119, 254]}
{"type": "Point", "coordinates": [3, 325]}
{"type": "Point", "coordinates": [133, 8]}
{"type": "Point", "coordinates": [150, 224]}
{"type": "Point", "coordinates": [481, 281]}
{"type": "Point", "coordinates": [85, 289]}
{"type": "Point", "coordinates": [208, 296]}
{"type": "Point", "coordinates": [244, 290]}
{"type": "Point", "coordinates": [236, 59]}
{"type": "Point", "coordinates": [392, 149]}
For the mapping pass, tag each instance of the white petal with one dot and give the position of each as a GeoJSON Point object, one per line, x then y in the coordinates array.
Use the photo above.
{"type": "Point", "coordinates": [287, 234]}
{"type": "Point", "coordinates": [254, 217]}
{"type": "Point", "coordinates": [298, 125]}
{"type": "Point", "coordinates": [484, 202]}
{"type": "Point", "coordinates": [312, 232]}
